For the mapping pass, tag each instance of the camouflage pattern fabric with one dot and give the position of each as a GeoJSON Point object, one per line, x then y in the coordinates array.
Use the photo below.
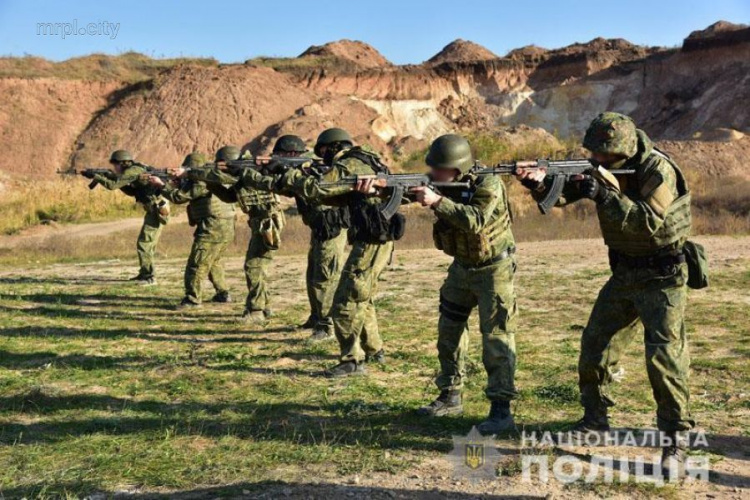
{"type": "Point", "coordinates": [611, 133]}
{"type": "Point", "coordinates": [132, 183]}
{"type": "Point", "coordinates": [257, 261]}
{"type": "Point", "coordinates": [487, 285]}
{"type": "Point", "coordinates": [656, 300]}
{"type": "Point", "coordinates": [354, 318]}
{"type": "Point", "coordinates": [211, 239]}
{"type": "Point", "coordinates": [324, 262]}
{"type": "Point", "coordinates": [649, 204]}
{"type": "Point", "coordinates": [146, 243]}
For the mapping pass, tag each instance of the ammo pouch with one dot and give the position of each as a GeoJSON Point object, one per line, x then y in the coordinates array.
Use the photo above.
{"type": "Point", "coordinates": [470, 247]}
{"type": "Point", "coordinates": [270, 230]}
{"type": "Point", "coordinates": [327, 224]}
{"type": "Point", "coordinates": [370, 226]}
{"type": "Point", "coordinates": [697, 264]}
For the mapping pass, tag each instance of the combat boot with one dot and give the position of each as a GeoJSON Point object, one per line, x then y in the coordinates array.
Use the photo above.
{"type": "Point", "coordinates": [346, 369]}
{"type": "Point", "coordinates": [593, 421]}
{"type": "Point", "coordinates": [673, 456]}
{"type": "Point", "coordinates": [253, 317]}
{"type": "Point", "coordinates": [378, 357]}
{"type": "Point", "coordinates": [499, 420]}
{"type": "Point", "coordinates": [222, 298]}
{"type": "Point", "coordinates": [321, 334]}
{"type": "Point", "coordinates": [186, 304]}
{"type": "Point", "coordinates": [310, 322]}
{"type": "Point", "coordinates": [149, 281]}
{"type": "Point", "coordinates": [268, 313]}
{"type": "Point", "coordinates": [448, 403]}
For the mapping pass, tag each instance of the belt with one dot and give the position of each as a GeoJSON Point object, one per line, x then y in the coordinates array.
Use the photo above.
{"type": "Point", "coordinates": [651, 261]}
{"type": "Point", "coordinates": [508, 252]}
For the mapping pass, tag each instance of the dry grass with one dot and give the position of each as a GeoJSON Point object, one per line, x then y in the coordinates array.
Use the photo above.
{"type": "Point", "coordinates": [128, 67]}
{"type": "Point", "coordinates": [29, 204]}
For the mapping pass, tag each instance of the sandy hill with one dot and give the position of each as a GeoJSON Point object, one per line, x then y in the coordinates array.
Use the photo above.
{"type": "Point", "coordinates": [354, 51]}
{"type": "Point", "coordinates": [462, 51]}
{"type": "Point", "coordinates": [54, 115]}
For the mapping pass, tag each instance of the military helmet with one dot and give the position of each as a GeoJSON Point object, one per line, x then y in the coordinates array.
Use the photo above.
{"type": "Point", "coordinates": [194, 160]}
{"type": "Point", "coordinates": [331, 136]}
{"type": "Point", "coordinates": [450, 151]}
{"type": "Point", "coordinates": [228, 153]}
{"type": "Point", "coordinates": [120, 155]}
{"type": "Point", "coordinates": [289, 144]}
{"type": "Point", "coordinates": [612, 133]}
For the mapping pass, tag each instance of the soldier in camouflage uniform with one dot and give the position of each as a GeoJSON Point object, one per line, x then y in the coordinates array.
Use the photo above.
{"type": "Point", "coordinates": [474, 227]}
{"type": "Point", "coordinates": [645, 224]}
{"type": "Point", "coordinates": [266, 221]}
{"type": "Point", "coordinates": [130, 179]}
{"type": "Point", "coordinates": [327, 243]}
{"type": "Point", "coordinates": [353, 310]}
{"type": "Point", "coordinates": [214, 231]}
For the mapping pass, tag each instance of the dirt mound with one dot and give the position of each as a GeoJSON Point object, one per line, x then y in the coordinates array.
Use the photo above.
{"type": "Point", "coordinates": [354, 51]}
{"type": "Point", "coordinates": [462, 51]}
{"type": "Point", "coordinates": [719, 34]}
{"type": "Point", "coordinates": [40, 120]}
{"type": "Point", "coordinates": [532, 52]}
{"type": "Point", "coordinates": [188, 109]}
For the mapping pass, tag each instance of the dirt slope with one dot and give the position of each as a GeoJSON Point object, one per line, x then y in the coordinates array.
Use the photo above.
{"type": "Point", "coordinates": [687, 94]}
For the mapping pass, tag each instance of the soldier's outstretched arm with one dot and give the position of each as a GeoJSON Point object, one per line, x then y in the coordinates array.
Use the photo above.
{"type": "Point", "coordinates": [119, 181]}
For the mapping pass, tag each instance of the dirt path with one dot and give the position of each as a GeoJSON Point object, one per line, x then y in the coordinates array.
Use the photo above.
{"type": "Point", "coordinates": [37, 234]}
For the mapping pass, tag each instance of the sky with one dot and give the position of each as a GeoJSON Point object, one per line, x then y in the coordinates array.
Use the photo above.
{"type": "Point", "coordinates": [404, 32]}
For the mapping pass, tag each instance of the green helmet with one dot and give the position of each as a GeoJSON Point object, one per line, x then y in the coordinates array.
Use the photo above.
{"type": "Point", "coordinates": [120, 155]}
{"type": "Point", "coordinates": [194, 160]}
{"type": "Point", "coordinates": [289, 144]}
{"type": "Point", "coordinates": [450, 151]}
{"type": "Point", "coordinates": [612, 133]}
{"type": "Point", "coordinates": [228, 153]}
{"type": "Point", "coordinates": [332, 136]}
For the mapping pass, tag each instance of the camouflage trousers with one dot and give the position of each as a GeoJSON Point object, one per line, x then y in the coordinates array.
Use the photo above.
{"type": "Point", "coordinates": [210, 241]}
{"type": "Point", "coordinates": [324, 262]}
{"type": "Point", "coordinates": [491, 289]}
{"type": "Point", "coordinates": [633, 297]}
{"type": "Point", "coordinates": [353, 310]}
{"type": "Point", "coordinates": [146, 243]}
{"type": "Point", "coordinates": [257, 261]}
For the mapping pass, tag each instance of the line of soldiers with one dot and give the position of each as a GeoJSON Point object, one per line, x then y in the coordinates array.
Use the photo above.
{"type": "Point", "coordinates": [645, 225]}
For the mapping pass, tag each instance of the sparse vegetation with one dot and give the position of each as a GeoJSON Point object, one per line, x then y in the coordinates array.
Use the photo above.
{"type": "Point", "coordinates": [105, 388]}
{"type": "Point", "coordinates": [129, 67]}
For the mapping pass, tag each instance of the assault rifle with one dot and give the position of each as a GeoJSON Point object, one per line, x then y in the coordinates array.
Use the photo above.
{"type": "Point", "coordinates": [560, 171]}
{"type": "Point", "coordinates": [399, 185]}
{"type": "Point", "coordinates": [265, 164]}
{"type": "Point", "coordinates": [89, 173]}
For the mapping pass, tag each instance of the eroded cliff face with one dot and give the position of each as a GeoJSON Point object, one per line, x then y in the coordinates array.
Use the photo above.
{"type": "Point", "coordinates": [678, 94]}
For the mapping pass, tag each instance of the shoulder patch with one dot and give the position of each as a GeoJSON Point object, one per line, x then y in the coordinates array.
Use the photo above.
{"type": "Point", "coordinates": [657, 194]}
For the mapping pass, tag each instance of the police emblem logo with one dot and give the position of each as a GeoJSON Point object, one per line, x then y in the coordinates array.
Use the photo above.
{"type": "Point", "coordinates": [474, 455]}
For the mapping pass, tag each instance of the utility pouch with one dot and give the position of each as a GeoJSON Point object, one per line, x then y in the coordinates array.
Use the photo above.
{"type": "Point", "coordinates": [697, 264]}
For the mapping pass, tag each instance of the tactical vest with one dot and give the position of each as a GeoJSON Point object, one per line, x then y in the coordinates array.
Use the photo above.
{"type": "Point", "coordinates": [255, 201]}
{"type": "Point", "coordinates": [469, 247]}
{"type": "Point", "coordinates": [670, 236]}
{"type": "Point", "coordinates": [206, 207]}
